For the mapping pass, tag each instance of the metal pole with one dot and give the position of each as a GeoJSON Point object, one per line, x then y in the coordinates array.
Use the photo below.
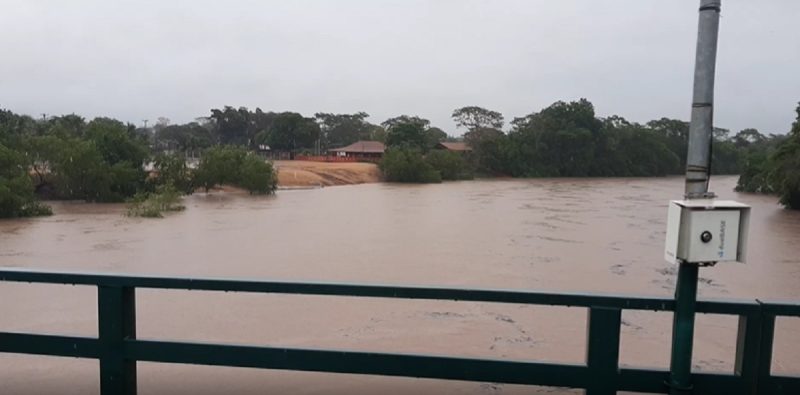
{"type": "Point", "coordinates": [680, 366]}
{"type": "Point", "coordinates": [698, 159]}
{"type": "Point", "coordinates": [698, 163]}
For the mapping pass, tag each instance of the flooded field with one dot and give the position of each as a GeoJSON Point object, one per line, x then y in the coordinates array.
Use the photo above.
{"type": "Point", "coordinates": [571, 235]}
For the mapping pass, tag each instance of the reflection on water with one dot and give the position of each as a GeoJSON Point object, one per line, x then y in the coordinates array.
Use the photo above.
{"type": "Point", "coordinates": [581, 235]}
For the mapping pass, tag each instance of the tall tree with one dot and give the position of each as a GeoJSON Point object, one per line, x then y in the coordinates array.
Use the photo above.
{"type": "Point", "coordinates": [561, 137]}
{"type": "Point", "coordinates": [291, 131]}
{"type": "Point", "coordinates": [187, 137]}
{"type": "Point", "coordinates": [405, 119]}
{"type": "Point", "coordinates": [473, 117]}
{"type": "Point", "coordinates": [748, 136]}
{"type": "Point", "coordinates": [785, 167]}
{"type": "Point", "coordinates": [16, 189]}
{"type": "Point", "coordinates": [408, 132]}
{"type": "Point", "coordinates": [675, 134]}
{"type": "Point", "coordinates": [342, 129]}
{"type": "Point", "coordinates": [232, 125]}
{"type": "Point", "coordinates": [434, 136]}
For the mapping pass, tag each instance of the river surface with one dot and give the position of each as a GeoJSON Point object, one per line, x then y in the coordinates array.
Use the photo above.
{"type": "Point", "coordinates": [562, 235]}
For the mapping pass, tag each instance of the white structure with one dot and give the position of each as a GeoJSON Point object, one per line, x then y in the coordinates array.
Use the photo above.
{"type": "Point", "coordinates": [706, 231]}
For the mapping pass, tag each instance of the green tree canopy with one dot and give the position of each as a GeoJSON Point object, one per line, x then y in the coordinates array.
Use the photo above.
{"type": "Point", "coordinates": [747, 137]}
{"type": "Point", "coordinates": [412, 132]}
{"type": "Point", "coordinates": [187, 137]}
{"type": "Point", "coordinates": [405, 120]}
{"type": "Point", "coordinates": [404, 164]}
{"type": "Point", "coordinates": [450, 165]}
{"type": "Point", "coordinates": [232, 125]}
{"type": "Point", "coordinates": [772, 163]}
{"type": "Point", "coordinates": [339, 130]}
{"type": "Point", "coordinates": [407, 131]}
{"type": "Point", "coordinates": [473, 117]}
{"type": "Point", "coordinates": [291, 131]}
{"type": "Point", "coordinates": [234, 165]}
{"type": "Point", "coordinates": [784, 173]}
{"type": "Point", "coordinates": [16, 189]}
{"type": "Point", "coordinates": [434, 136]}
{"type": "Point", "coordinates": [171, 169]}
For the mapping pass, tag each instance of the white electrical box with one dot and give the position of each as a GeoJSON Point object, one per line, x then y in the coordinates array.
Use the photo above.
{"type": "Point", "coordinates": [706, 231]}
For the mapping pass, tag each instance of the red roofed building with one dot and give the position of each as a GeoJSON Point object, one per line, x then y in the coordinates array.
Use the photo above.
{"type": "Point", "coordinates": [456, 146]}
{"type": "Point", "coordinates": [369, 150]}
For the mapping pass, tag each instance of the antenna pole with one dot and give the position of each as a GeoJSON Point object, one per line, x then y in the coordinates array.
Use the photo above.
{"type": "Point", "coordinates": [698, 170]}
{"type": "Point", "coordinates": [698, 158]}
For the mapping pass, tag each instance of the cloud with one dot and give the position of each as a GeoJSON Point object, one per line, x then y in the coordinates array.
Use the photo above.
{"type": "Point", "coordinates": [141, 60]}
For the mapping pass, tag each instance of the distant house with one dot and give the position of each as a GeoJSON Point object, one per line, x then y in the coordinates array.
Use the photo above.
{"type": "Point", "coordinates": [366, 150]}
{"type": "Point", "coordinates": [455, 146]}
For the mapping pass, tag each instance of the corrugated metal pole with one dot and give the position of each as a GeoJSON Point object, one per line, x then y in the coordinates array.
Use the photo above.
{"type": "Point", "coordinates": [698, 163]}
{"type": "Point", "coordinates": [698, 159]}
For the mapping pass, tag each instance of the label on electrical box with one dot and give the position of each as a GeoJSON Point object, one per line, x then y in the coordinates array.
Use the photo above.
{"type": "Point", "coordinates": [721, 225]}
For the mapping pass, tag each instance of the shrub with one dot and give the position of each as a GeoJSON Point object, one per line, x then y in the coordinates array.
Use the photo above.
{"type": "Point", "coordinates": [785, 170]}
{"type": "Point", "coordinates": [407, 165]}
{"type": "Point", "coordinates": [233, 165]}
{"type": "Point", "coordinates": [257, 176]}
{"type": "Point", "coordinates": [151, 205]}
{"type": "Point", "coordinates": [450, 165]}
{"type": "Point", "coordinates": [16, 188]}
{"type": "Point", "coordinates": [35, 209]}
{"type": "Point", "coordinates": [172, 169]}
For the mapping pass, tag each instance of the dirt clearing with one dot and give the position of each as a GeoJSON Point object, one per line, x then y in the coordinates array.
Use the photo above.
{"type": "Point", "coordinates": [295, 173]}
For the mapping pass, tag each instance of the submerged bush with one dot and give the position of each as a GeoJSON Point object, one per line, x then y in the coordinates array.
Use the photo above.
{"type": "Point", "coordinates": [16, 188]}
{"type": "Point", "coordinates": [408, 165]}
{"type": "Point", "coordinates": [257, 176]}
{"type": "Point", "coordinates": [450, 165]}
{"type": "Point", "coordinates": [152, 205]}
{"type": "Point", "coordinates": [172, 169]}
{"type": "Point", "coordinates": [235, 166]}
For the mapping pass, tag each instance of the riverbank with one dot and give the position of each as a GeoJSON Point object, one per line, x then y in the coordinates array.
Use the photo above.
{"type": "Point", "coordinates": [305, 174]}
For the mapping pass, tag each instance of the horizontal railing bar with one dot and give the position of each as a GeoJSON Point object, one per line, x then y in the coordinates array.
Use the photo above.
{"type": "Point", "coordinates": [621, 301]}
{"type": "Point", "coordinates": [337, 361]}
{"type": "Point", "coordinates": [784, 385]}
{"type": "Point", "coordinates": [780, 307]}
{"type": "Point", "coordinates": [653, 380]}
{"type": "Point", "coordinates": [728, 306]}
{"type": "Point", "coordinates": [716, 383]}
{"type": "Point", "coordinates": [420, 366]}
{"type": "Point", "coordinates": [343, 289]}
{"type": "Point", "coordinates": [61, 346]}
{"type": "Point", "coordinates": [650, 380]}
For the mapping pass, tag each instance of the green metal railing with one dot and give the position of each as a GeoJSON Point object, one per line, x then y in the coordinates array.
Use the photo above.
{"type": "Point", "coordinates": [118, 348]}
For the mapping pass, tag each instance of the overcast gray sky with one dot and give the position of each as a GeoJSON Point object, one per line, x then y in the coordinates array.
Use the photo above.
{"type": "Point", "coordinates": [136, 60]}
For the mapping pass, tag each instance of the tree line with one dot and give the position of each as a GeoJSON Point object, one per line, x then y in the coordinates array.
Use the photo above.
{"type": "Point", "coordinates": [567, 139]}
{"type": "Point", "coordinates": [772, 164]}
{"type": "Point", "coordinates": [104, 160]}
{"type": "Point", "coordinates": [255, 129]}
{"type": "Point", "coordinates": [67, 157]}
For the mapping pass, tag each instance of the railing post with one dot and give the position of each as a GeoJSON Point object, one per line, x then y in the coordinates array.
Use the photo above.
{"type": "Point", "coordinates": [754, 351]}
{"type": "Point", "coordinates": [748, 345]}
{"type": "Point", "coordinates": [765, 353]}
{"type": "Point", "coordinates": [602, 350]}
{"type": "Point", "coordinates": [116, 308]}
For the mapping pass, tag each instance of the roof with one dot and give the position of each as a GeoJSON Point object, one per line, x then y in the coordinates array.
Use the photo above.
{"type": "Point", "coordinates": [363, 146]}
{"type": "Point", "coordinates": [454, 146]}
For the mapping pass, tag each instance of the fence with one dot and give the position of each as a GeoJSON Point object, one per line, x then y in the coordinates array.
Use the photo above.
{"type": "Point", "coordinates": [336, 158]}
{"type": "Point", "coordinates": [118, 348]}
{"type": "Point", "coordinates": [329, 158]}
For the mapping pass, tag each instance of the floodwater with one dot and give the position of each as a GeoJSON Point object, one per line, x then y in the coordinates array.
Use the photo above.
{"type": "Point", "coordinates": [570, 235]}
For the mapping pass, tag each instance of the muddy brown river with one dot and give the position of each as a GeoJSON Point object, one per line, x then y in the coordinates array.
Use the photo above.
{"type": "Point", "coordinates": [571, 235]}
